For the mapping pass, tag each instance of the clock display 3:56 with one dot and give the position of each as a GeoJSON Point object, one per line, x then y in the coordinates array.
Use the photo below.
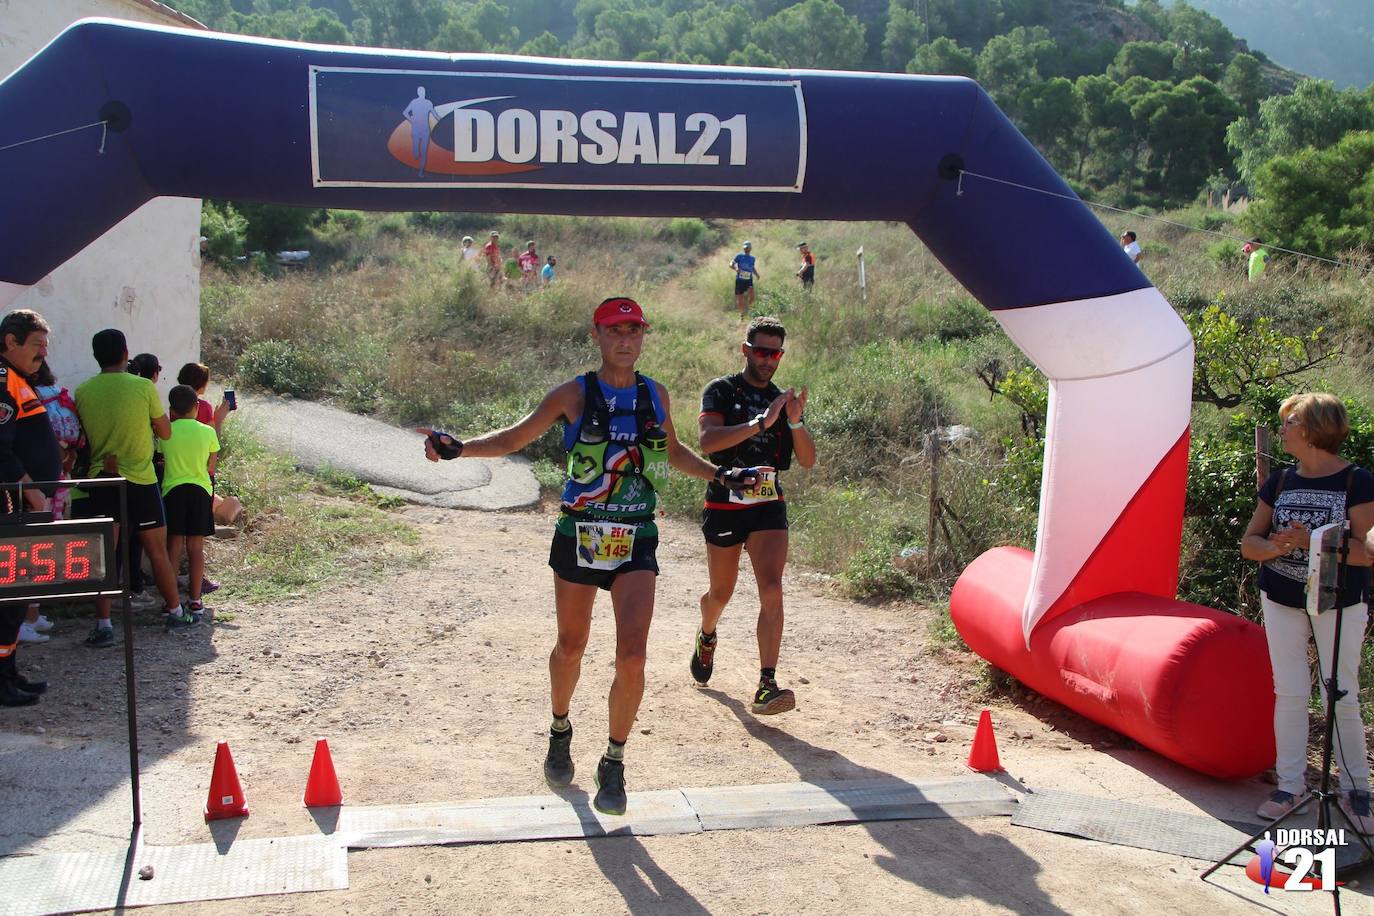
{"type": "Point", "coordinates": [51, 559]}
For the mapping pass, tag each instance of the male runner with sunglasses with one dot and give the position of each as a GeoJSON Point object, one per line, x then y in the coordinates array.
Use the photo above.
{"type": "Point", "coordinates": [620, 442]}
{"type": "Point", "coordinates": [747, 421]}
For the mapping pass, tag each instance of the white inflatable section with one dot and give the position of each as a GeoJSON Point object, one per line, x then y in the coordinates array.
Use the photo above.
{"type": "Point", "coordinates": [8, 293]}
{"type": "Point", "coordinates": [1121, 377]}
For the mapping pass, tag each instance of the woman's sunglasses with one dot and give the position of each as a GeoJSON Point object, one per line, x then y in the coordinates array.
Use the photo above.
{"type": "Point", "coordinates": [765, 352]}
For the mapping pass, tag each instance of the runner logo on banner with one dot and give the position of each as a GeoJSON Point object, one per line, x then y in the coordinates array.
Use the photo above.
{"type": "Point", "coordinates": [410, 128]}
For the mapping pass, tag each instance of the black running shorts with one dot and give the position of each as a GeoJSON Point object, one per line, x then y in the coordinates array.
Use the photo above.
{"type": "Point", "coordinates": [190, 511]}
{"type": "Point", "coordinates": [742, 286]}
{"type": "Point", "coordinates": [563, 561]}
{"type": "Point", "coordinates": [144, 501]}
{"type": "Point", "coordinates": [729, 527]}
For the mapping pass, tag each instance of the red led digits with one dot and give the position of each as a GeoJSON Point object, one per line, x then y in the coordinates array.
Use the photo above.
{"type": "Point", "coordinates": [9, 562]}
{"type": "Point", "coordinates": [77, 565]}
{"type": "Point", "coordinates": [47, 564]}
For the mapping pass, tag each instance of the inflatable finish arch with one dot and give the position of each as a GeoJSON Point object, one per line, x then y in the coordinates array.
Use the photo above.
{"type": "Point", "coordinates": [1089, 619]}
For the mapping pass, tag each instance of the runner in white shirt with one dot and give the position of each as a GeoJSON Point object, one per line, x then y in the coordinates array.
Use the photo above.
{"type": "Point", "coordinates": [1131, 246]}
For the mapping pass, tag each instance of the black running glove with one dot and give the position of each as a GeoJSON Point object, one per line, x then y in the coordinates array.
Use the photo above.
{"type": "Point", "coordinates": [736, 478]}
{"type": "Point", "coordinates": [447, 445]}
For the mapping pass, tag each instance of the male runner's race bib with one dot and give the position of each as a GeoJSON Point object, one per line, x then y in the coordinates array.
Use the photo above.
{"type": "Point", "coordinates": [604, 545]}
{"type": "Point", "coordinates": [764, 491]}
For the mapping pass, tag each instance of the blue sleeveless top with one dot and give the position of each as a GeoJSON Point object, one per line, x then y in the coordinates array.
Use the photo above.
{"type": "Point", "coordinates": [612, 496]}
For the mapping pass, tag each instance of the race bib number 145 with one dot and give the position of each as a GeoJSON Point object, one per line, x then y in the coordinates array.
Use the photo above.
{"type": "Point", "coordinates": [604, 545]}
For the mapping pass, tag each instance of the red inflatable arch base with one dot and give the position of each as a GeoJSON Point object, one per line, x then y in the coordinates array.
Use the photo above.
{"type": "Point", "coordinates": [1184, 680]}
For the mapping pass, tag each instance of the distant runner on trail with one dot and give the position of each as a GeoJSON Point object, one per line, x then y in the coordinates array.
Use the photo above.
{"type": "Point", "coordinates": [620, 441]}
{"type": "Point", "coordinates": [748, 420]}
{"type": "Point", "coordinates": [495, 262]}
{"type": "Point", "coordinates": [807, 271]}
{"type": "Point", "coordinates": [746, 272]}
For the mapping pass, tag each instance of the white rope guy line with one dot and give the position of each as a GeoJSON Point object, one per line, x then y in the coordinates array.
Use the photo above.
{"type": "Point", "coordinates": [103, 125]}
{"type": "Point", "coordinates": [1150, 218]}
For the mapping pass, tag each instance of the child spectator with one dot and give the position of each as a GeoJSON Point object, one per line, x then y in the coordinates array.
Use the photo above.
{"type": "Point", "coordinates": [61, 408]}
{"type": "Point", "coordinates": [469, 253]}
{"type": "Point", "coordinates": [197, 376]}
{"type": "Point", "coordinates": [186, 489]}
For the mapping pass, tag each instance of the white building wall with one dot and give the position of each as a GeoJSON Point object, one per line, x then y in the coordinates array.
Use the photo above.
{"type": "Point", "coordinates": [143, 275]}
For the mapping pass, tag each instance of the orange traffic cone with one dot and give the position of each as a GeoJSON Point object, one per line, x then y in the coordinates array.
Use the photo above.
{"type": "Point", "coordinates": [983, 756]}
{"type": "Point", "coordinates": [322, 788]}
{"type": "Point", "coordinates": [226, 795]}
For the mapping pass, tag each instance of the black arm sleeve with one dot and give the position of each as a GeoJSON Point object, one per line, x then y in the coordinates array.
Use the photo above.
{"type": "Point", "coordinates": [11, 468]}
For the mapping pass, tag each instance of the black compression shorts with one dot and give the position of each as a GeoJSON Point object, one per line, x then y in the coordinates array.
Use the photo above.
{"type": "Point", "coordinates": [729, 527]}
{"type": "Point", "coordinates": [563, 561]}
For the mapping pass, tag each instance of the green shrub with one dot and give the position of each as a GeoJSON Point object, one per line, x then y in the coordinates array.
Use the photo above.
{"type": "Point", "coordinates": [360, 385]}
{"type": "Point", "coordinates": [871, 573]}
{"type": "Point", "coordinates": [687, 231]}
{"type": "Point", "coordinates": [878, 407]}
{"type": "Point", "coordinates": [344, 221]}
{"type": "Point", "coordinates": [1215, 220]}
{"type": "Point", "coordinates": [1225, 253]}
{"type": "Point", "coordinates": [281, 366]}
{"type": "Point", "coordinates": [393, 224]}
{"type": "Point", "coordinates": [458, 224]}
{"type": "Point", "coordinates": [962, 319]}
{"type": "Point", "coordinates": [225, 230]}
{"type": "Point", "coordinates": [272, 227]}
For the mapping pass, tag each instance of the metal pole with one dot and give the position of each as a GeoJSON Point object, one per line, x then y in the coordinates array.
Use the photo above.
{"type": "Point", "coordinates": [863, 279]}
{"type": "Point", "coordinates": [1261, 455]}
{"type": "Point", "coordinates": [934, 517]}
{"type": "Point", "coordinates": [130, 699]}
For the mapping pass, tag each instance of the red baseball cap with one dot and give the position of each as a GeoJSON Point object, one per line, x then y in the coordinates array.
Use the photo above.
{"type": "Point", "coordinates": [619, 310]}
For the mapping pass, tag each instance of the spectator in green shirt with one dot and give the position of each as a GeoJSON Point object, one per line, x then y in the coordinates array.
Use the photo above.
{"type": "Point", "coordinates": [121, 413]}
{"type": "Point", "coordinates": [1259, 259]}
{"type": "Point", "coordinates": [187, 492]}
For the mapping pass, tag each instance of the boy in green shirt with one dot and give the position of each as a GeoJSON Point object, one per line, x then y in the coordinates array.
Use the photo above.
{"type": "Point", "coordinates": [186, 489]}
{"type": "Point", "coordinates": [121, 413]}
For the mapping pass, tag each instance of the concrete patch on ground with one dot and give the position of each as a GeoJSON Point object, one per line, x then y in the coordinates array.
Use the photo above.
{"type": "Point", "coordinates": [389, 459]}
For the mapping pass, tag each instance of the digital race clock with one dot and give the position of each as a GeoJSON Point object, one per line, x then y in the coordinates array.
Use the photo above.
{"type": "Point", "coordinates": [57, 558]}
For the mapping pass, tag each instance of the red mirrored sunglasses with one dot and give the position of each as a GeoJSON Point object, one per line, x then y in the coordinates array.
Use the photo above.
{"type": "Point", "coordinates": [765, 352]}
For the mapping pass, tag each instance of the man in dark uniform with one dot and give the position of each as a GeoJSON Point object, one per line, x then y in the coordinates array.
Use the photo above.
{"type": "Point", "coordinates": [28, 451]}
{"type": "Point", "coordinates": [747, 421]}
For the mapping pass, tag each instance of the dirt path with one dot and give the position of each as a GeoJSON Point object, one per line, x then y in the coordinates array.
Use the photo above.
{"type": "Point", "coordinates": [432, 687]}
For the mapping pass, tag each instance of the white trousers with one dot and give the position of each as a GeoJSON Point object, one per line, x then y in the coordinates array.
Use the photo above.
{"type": "Point", "coordinates": [1286, 629]}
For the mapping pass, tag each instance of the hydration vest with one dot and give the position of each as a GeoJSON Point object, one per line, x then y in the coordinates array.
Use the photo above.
{"type": "Point", "coordinates": [648, 454]}
{"type": "Point", "coordinates": [780, 439]}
